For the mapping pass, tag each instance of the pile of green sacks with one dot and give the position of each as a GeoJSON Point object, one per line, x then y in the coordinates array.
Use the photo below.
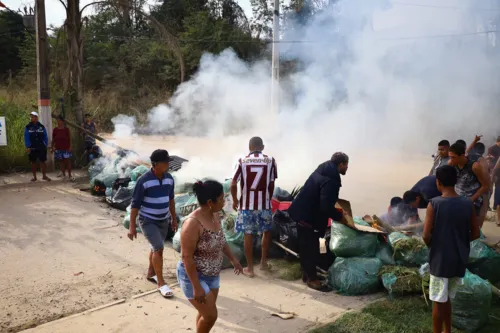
{"type": "Point", "coordinates": [484, 261]}
{"type": "Point", "coordinates": [361, 255]}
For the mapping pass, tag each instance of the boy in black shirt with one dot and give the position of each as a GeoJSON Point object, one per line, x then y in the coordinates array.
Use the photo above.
{"type": "Point", "coordinates": [450, 226]}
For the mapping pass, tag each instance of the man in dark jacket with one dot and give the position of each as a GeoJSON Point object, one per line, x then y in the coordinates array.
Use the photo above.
{"type": "Point", "coordinates": [36, 141]}
{"type": "Point", "coordinates": [312, 208]}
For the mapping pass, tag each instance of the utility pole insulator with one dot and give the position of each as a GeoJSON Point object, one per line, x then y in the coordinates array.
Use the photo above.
{"type": "Point", "coordinates": [43, 67]}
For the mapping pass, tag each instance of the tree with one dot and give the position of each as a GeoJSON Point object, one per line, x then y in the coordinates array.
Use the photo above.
{"type": "Point", "coordinates": [11, 40]}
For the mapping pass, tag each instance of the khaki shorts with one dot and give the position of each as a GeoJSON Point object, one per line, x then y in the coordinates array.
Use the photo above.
{"type": "Point", "coordinates": [443, 289]}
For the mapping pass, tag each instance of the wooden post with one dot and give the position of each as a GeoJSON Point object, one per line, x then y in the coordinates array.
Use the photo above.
{"type": "Point", "coordinates": [43, 67]}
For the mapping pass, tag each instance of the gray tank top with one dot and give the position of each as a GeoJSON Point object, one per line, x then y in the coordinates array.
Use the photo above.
{"type": "Point", "coordinates": [467, 182]}
{"type": "Point", "coordinates": [450, 242]}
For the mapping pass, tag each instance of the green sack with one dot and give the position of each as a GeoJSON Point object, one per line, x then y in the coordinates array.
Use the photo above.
{"type": "Point", "coordinates": [401, 280]}
{"type": "Point", "coordinates": [126, 223]}
{"type": "Point", "coordinates": [384, 253]}
{"type": "Point", "coordinates": [484, 261]}
{"type": "Point", "coordinates": [233, 237]}
{"type": "Point", "coordinates": [227, 186]}
{"type": "Point", "coordinates": [346, 242]}
{"type": "Point", "coordinates": [472, 304]}
{"type": "Point", "coordinates": [107, 178]}
{"type": "Point", "coordinates": [95, 169]}
{"type": "Point", "coordinates": [131, 185]}
{"type": "Point", "coordinates": [176, 240]}
{"type": "Point", "coordinates": [185, 205]}
{"type": "Point", "coordinates": [355, 276]}
{"type": "Point", "coordinates": [408, 251]}
{"type": "Point", "coordinates": [238, 254]}
{"type": "Point", "coordinates": [138, 172]}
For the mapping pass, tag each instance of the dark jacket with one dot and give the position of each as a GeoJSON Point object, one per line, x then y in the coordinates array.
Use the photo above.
{"type": "Point", "coordinates": [316, 201]}
{"type": "Point", "coordinates": [35, 136]}
{"type": "Point", "coordinates": [427, 188]}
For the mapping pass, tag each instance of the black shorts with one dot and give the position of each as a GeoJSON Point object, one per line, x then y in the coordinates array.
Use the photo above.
{"type": "Point", "coordinates": [38, 155]}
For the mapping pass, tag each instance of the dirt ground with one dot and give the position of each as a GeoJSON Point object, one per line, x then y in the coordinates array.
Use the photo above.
{"type": "Point", "coordinates": [64, 252]}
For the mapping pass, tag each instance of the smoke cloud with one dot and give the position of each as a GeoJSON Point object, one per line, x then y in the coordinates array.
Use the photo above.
{"type": "Point", "coordinates": [382, 81]}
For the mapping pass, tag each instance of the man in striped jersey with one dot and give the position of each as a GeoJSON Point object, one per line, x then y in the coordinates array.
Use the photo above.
{"type": "Point", "coordinates": [153, 202]}
{"type": "Point", "coordinates": [256, 173]}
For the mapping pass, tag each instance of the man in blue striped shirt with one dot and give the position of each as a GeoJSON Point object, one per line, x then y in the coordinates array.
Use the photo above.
{"type": "Point", "coordinates": [153, 205]}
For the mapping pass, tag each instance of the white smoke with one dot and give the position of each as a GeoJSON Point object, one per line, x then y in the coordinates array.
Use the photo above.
{"type": "Point", "coordinates": [372, 79]}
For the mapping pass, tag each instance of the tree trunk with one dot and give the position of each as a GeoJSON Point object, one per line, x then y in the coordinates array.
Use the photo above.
{"type": "Point", "coordinates": [74, 91]}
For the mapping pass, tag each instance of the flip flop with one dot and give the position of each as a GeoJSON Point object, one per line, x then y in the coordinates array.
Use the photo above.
{"type": "Point", "coordinates": [33, 179]}
{"type": "Point", "coordinates": [152, 279]}
{"type": "Point", "coordinates": [47, 179]}
{"type": "Point", "coordinates": [323, 287]}
{"type": "Point", "coordinates": [165, 291]}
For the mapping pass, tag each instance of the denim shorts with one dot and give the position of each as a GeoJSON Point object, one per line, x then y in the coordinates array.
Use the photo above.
{"type": "Point", "coordinates": [254, 221]}
{"type": "Point", "coordinates": [207, 282]}
{"type": "Point", "coordinates": [155, 232]}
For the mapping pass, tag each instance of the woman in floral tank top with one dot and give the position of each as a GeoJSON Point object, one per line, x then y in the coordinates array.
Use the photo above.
{"type": "Point", "coordinates": [203, 247]}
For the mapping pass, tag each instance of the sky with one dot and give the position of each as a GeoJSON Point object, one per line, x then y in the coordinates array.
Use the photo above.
{"type": "Point", "coordinates": [55, 11]}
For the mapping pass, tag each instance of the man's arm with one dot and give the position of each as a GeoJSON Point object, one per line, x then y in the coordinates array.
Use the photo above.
{"type": "Point", "coordinates": [234, 185]}
{"type": "Point", "coordinates": [27, 139]}
{"type": "Point", "coordinates": [172, 208]}
{"type": "Point", "coordinates": [475, 228]}
{"type": "Point", "coordinates": [428, 225]}
{"type": "Point", "coordinates": [136, 203]}
{"type": "Point", "coordinates": [477, 138]}
{"type": "Point", "coordinates": [45, 137]}
{"type": "Point", "coordinates": [329, 195]}
{"type": "Point", "coordinates": [483, 178]}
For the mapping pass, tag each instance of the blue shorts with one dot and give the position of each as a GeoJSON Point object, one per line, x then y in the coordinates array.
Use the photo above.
{"type": "Point", "coordinates": [207, 282]}
{"type": "Point", "coordinates": [254, 221]}
{"type": "Point", "coordinates": [62, 154]}
{"type": "Point", "coordinates": [155, 232]}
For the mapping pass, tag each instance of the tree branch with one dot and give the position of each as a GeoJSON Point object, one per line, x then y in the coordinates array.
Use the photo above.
{"type": "Point", "coordinates": [62, 3]}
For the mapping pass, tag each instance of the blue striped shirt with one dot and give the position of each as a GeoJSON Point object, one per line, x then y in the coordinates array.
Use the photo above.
{"type": "Point", "coordinates": [152, 196]}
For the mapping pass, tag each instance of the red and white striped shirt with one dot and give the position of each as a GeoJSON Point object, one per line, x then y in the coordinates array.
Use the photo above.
{"type": "Point", "coordinates": [255, 173]}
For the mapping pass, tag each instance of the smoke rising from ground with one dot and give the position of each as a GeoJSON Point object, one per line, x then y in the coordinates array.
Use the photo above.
{"type": "Point", "coordinates": [371, 79]}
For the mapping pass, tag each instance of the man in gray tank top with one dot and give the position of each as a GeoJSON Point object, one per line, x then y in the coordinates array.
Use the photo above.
{"type": "Point", "coordinates": [450, 226]}
{"type": "Point", "coordinates": [472, 181]}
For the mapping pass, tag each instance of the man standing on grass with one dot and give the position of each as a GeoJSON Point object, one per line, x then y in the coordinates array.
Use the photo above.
{"type": "Point", "coordinates": [312, 208]}
{"type": "Point", "coordinates": [256, 174]}
{"type": "Point", "coordinates": [36, 141]}
{"type": "Point", "coordinates": [450, 226]}
{"type": "Point", "coordinates": [153, 202]}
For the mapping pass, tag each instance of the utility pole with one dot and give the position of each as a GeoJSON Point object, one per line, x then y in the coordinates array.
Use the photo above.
{"type": "Point", "coordinates": [275, 60]}
{"type": "Point", "coordinates": [43, 65]}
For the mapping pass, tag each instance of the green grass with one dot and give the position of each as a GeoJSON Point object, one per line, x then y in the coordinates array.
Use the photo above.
{"type": "Point", "coordinates": [403, 315]}
{"type": "Point", "coordinates": [286, 270]}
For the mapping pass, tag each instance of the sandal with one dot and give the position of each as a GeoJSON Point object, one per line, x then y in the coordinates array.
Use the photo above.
{"type": "Point", "coordinates": [33, 179]}
{"type": "Point", "coordinates": [323, 287]}
{"type": "Point", "coordinates": [47, 179]}
{"type": "Point", "coordinates": [152, 279]}
{"type": "Point", "coordinates": [165, 291]}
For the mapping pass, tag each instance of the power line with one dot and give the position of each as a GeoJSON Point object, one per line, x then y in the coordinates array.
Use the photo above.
{"type": "Point", "coordinates": [250, 41]}
{"type": "Point", "coordinates": [445, 7]}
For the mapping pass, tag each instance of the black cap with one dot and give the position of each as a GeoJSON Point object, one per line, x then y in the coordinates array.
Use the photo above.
{"type": "Point", "coordinates": [160, 155]}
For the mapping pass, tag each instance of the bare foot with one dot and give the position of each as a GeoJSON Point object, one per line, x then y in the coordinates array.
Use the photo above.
{"type": "Point", "coordinates": [248, 273]}
{"type": "Point", "coordinates": [46, 179]}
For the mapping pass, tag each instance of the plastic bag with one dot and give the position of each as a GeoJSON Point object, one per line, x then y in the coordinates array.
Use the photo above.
{"type": "Point", "coordinates": [472, 304]}
{"type": "Point", "coordinates": [126, 223]}
{"type": "Point", "coordinates": [94, 169]}
{"type": "Point", "coordinates": [484, 261]}
{"type": "Point", "coordinates": [121, 198]}
{"type": "Point", "coordinates": [408, 251]}
{"type": "Point", "coordinates": [281, 194]}
{"type": "Point", "coordinates": [176, 241]}
{"type": "Point", "coordinates": [131, 185]}
{"type": "Point", "coordinates": [138, 172]}
{"type": "Point", "coordinates": [384, 253]}
{"type": "Point", "coordinates": [238, 254]}
{"type": "Point", "coordinates": [185, 205]}
{"type": "Point", "coordinates": [107, 178]}
{"type": "Point", "coordinates": [233, 237]}
{"type": "Point", "coordinates": [401, 280]}
{"type": "Point", "coordinates": [109, 192]}
{"type": "Point", "coordinates": [287, 230]}
{"type": "Point", "coordinates": [346, 242]}
{"type": "Point", "coordinates": [355, 276]}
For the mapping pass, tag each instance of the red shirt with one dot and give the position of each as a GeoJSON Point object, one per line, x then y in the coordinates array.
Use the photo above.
{"type": "Point", "coordinates": [61, 138]}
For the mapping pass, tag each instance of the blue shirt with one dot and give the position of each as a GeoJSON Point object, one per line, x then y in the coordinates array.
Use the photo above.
{"type": "Point", "coordinates": [152, 196]}
{"type": "Point", "coordinates": [35, 136]}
